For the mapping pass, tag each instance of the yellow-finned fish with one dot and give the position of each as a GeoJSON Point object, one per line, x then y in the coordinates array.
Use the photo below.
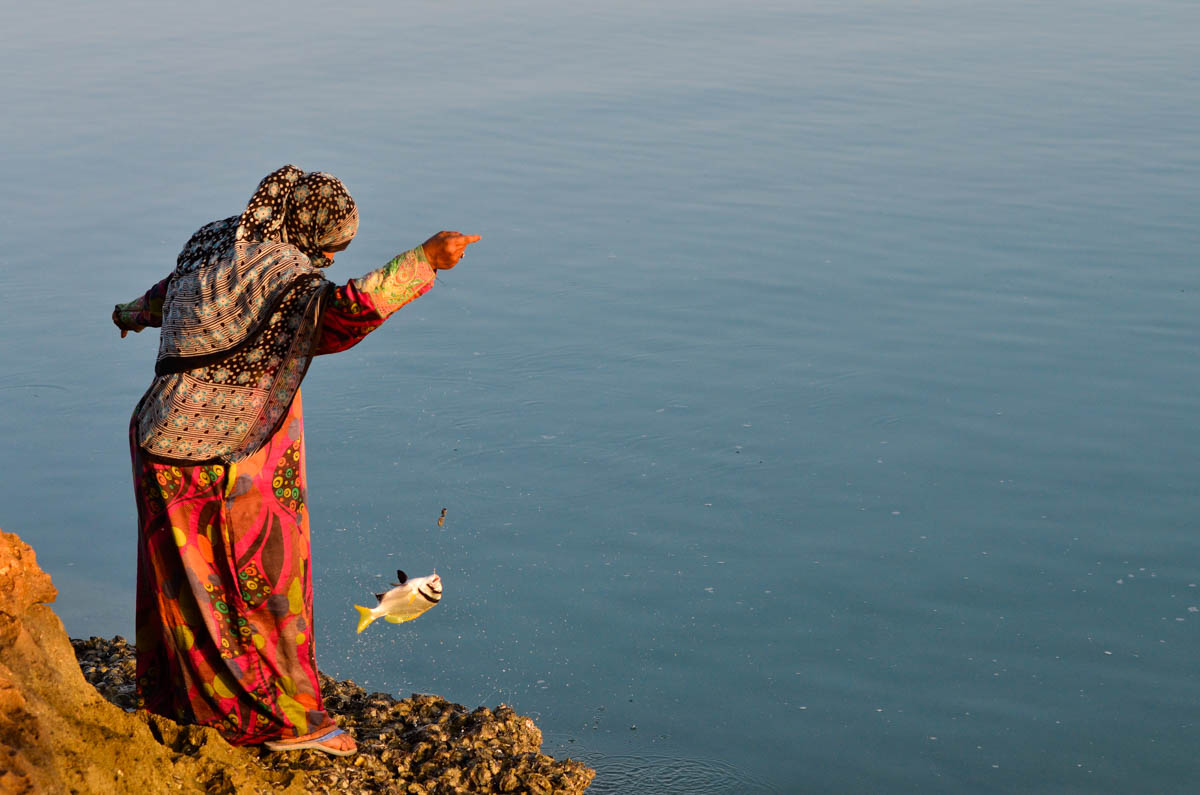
{"type": "Point", "coordinates": [409, 599]}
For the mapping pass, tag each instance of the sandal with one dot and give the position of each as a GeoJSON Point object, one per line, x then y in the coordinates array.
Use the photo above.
{"type": "Point", "coordinates": [316, 743]}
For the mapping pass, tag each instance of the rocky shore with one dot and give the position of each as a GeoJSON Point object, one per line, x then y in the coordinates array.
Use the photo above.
{"type": "Point", "coordinates": [423, 744]}
{"type": "Point", "coordinates": [67, 725]}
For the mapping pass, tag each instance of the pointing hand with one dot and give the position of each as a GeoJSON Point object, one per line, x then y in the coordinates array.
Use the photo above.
{"type": "Point", "coordinates": [445, 249]}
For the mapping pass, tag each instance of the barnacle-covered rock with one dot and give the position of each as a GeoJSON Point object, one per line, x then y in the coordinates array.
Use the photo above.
{"type": "Point", "coordinates": [424, 744]}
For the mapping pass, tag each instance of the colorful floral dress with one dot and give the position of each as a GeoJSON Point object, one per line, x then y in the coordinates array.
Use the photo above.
{"type": "Point", "coordinates": [224, 589]}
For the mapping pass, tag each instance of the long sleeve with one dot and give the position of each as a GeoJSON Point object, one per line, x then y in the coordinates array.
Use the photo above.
{"type": "Point", "coordinates": [143, 311]}
{"type": "Point", "coordinates": [361, 305]}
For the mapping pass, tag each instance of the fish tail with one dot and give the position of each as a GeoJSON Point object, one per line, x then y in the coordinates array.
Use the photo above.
{"type": "Point", "coordinates": [365, 617]}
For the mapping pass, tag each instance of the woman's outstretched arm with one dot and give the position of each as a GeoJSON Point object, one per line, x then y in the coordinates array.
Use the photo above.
{"type": "Point", "coordinates": [362, 305]}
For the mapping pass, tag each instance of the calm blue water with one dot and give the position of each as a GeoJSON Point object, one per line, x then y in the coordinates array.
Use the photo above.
{"type": "Point", "coordinates": [816, 415]}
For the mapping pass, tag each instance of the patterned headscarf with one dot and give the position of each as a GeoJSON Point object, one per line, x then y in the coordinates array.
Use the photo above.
{"type": "Point", "coordinates": [311, 211]}
{"type": "Point", "coordinates": [240, 319]}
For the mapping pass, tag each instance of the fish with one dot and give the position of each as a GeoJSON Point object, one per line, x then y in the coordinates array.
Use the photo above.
{"type": "Point", "coordinates": [409, 599]}
{"type": "Point", "coordinates": [442, 518]}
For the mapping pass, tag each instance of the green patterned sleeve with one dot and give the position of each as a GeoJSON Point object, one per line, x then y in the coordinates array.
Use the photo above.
{"type": "Point", "coordinates": [360, 306]}
{"type": "Point", "coordinates": [404, 278]}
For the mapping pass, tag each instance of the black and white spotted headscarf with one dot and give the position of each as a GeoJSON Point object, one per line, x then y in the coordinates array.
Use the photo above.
{"type": "Point", "coordinates": [312, 211]}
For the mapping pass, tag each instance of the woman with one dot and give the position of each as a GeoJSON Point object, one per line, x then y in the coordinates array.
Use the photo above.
{"type": "Point", "coordinates": [224, 593]}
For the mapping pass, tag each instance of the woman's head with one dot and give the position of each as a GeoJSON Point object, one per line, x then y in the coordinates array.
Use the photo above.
{"type": "Point", "coordinates": [312, 211]}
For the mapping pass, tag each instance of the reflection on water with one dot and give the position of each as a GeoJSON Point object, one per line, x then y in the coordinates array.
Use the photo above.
{"type": "Point", "coordinates": [820, 399]}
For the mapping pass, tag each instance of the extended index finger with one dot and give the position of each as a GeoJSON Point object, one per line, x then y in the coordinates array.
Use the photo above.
{"type": "Point", "coordinates": [473, 239]}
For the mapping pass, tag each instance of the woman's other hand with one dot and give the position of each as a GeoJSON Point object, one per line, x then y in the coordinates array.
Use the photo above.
{"type": "Point", "coordinates": [445, 249]}
{"type": "Point", "coordinates": [124, 326]}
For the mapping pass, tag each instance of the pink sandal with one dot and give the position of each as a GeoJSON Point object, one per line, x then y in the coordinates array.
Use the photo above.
{"type": "Point", "coordinates": [315, 743]}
